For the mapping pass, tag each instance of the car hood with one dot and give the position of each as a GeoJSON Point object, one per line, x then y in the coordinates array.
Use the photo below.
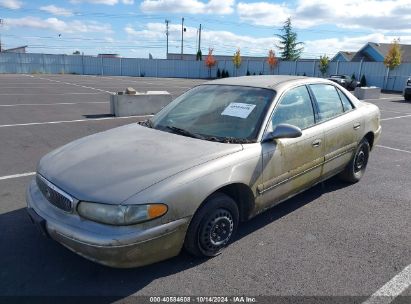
{"type": "Point", "coordinates": [111, 166]}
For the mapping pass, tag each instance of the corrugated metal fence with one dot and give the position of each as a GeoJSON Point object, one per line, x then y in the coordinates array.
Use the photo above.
{"type": "Point", "coordinates": [375, 72]}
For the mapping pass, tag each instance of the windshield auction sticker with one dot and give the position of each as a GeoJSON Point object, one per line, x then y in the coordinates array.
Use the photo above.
{"type": "Point", "coordinates": [237, 109]}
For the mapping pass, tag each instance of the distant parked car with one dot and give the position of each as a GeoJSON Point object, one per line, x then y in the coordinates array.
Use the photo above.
{"type": "Point", "coordinates": [407, 89]}
{"type": "Point", "coordinates": [219, 154]}
{"type": "Point", "coordinates": [345, 81]}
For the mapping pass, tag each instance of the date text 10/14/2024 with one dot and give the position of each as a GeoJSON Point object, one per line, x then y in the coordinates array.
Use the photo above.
{"type": "Point", "coordinates": [204, 299]}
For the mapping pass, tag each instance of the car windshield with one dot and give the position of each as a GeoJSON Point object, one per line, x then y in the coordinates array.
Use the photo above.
{"type": "Point", "coordinates": [216, 112]}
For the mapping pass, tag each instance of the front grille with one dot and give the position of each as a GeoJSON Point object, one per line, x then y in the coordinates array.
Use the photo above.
{"type": "Point", "coordinates": [55, 196]}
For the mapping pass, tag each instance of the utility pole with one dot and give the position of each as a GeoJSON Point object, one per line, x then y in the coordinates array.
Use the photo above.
{"type": "Point", "coordinates": [167, 22]}
{"type": "Point", "coordinates": [1, 24]}
{"type": "Point", "coordinates": [182, 37]}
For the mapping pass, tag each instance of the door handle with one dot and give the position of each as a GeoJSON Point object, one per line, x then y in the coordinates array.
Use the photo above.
{"type": "Point", "coordinates": [357, 126]}
{"type": "Point", "coordinates": [316, 143]}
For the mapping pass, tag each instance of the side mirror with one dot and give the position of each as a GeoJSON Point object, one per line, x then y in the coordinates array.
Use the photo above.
{"type": "Point", "coordinates": [283, 131]}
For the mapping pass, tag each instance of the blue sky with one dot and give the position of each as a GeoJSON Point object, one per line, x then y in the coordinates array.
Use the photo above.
{"type": "Point", "coordinates": [137, 28]}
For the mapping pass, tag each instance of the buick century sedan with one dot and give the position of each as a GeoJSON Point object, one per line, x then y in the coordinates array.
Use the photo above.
{"type": "Point", "coordinates": [216, 156]}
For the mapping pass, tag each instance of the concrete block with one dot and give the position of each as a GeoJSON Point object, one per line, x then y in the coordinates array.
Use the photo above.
{"type": "Point", "coordinates": [139, 104]}
{"type": "Point", "coordinates": [367, 93]}
{"type": "Point", "coordinates": [131, 91]}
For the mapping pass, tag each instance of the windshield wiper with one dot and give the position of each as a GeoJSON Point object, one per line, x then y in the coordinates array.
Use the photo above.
{"type": "Point", "coordinates": [184, 132]}
{"type": "Point", "coordinates": [146, 123]}
{"type": "Point", "coordinates": [229, 140]}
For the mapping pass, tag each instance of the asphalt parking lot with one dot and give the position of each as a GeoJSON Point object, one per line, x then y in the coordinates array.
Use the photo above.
{"type": "Point", "coordinates": [334, 240]}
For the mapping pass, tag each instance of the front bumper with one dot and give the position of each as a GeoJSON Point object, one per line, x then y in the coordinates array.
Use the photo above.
{"type": "Point", "coordinates": [115, 246]}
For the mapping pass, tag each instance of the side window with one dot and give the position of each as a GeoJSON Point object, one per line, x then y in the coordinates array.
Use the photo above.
{"type": "Point", "coordinates": [347, 105]}
{"type": "Point", "coordinates": [294, 108]}
{"type": "Point", "coordinates": [328, 101]}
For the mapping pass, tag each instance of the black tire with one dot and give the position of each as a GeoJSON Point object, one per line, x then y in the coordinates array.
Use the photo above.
{"type": "Point", "coordinates": [212, 227]}
{"type": "Point", "coordinates": [407, 97]}
{"type": "Point", "coordinates": [356, 167]}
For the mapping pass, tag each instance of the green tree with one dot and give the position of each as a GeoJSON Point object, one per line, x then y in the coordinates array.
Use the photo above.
{"type": "Point", "coordinates": [199, 55]}
{"type": "Point", "coordinates": [393, 58]}
{"type": "Point", "coordinates": [290, 48]}
{"type": "Point", "coordinates": [324, 63]}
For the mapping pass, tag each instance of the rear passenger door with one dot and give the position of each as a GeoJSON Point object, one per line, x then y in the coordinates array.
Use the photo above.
{"type": "Point", "coordinates": [341, 124]}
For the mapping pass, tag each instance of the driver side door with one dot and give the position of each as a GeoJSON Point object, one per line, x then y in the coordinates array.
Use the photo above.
{"type": "Point", "coordinates": [291, 165]}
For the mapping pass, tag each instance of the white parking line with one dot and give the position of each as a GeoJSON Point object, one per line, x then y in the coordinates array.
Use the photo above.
{"type": "Point", "coordinates": [51, 104]}
{"type": "Point", "coordinates": [392, 289]}
{"type": "Point", "coordinates": [47, 94]}
{"type": "Point", "coordinates": [394, 112]}
{"type": "Point", "coordinates": [397, 117]}
{"type": "Point", "coordinates": [17, 175]}
{"type": "Point", "coordinates": [394, 149]}
{"type": "Point", "coordinates": [382, 98]}
{"type": "Point", "coordinates": [69, 83]}
{"type": "Point", "coordinates": [69, 121]}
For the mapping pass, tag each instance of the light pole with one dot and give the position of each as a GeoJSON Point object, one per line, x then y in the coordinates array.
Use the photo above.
{"type": "Point", "coordinates": [1, 23]}
{"type": "Point", "coordinates": [167, 22]}
{"type": "Point", "coordinates": [183, 29]}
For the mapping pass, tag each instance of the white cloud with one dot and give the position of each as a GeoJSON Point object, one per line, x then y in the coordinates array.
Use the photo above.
{"type": "Point", "coordinates": [55, 10]}
{"type": "Point", "coordinates": [263, 13]}
{"type": "Point", "coordinates": [59, 26]}
{"type": "Point", "coordinates": [11, 4]}
{"type": "Point", "coordinates": [370, 14]}
{"type": "Point", "coordinates": [219, 7]}
{"type": "Point", "coordinates": [105, 2]}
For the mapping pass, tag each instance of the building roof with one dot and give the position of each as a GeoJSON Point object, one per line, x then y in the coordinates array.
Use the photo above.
{"type": "Point", "coordinates": [23, 47]}
{"type": "Point", "coordinates": [376, 52]}
{"type": "Point", "coordinates": [348, 56]}
{"type": "Point", "coordinates": [383, 48]}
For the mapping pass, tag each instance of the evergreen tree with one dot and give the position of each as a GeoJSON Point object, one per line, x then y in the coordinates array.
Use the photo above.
{"type": "Point", "coordinates": [290, 48]}
{"type": "Point", "coordinates": [363, 81]}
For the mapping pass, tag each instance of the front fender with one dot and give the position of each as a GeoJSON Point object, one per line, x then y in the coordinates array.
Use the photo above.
{"type": "Point", "coordinates": [184, 193]}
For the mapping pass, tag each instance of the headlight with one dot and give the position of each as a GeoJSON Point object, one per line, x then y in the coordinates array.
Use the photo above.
{"type": "Point", "coordinates": [120, 214]}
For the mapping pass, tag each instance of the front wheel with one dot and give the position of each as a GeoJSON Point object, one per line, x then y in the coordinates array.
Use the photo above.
{"type": "Point", "coordinates": [212, 227]}
{"type": "Point", "coordinates": [356, 167]}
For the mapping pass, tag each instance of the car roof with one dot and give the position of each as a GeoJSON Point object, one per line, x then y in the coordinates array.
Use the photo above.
{"type": "Point", "coordinates": [274, 82]}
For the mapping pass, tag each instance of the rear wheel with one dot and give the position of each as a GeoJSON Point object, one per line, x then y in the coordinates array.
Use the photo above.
{"type": "Point", "coordinates": [213, 226]}
{"type": "Point", "coordinates": [356, 167]}
{"type": "Point", "coordinates": [407, 97]}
